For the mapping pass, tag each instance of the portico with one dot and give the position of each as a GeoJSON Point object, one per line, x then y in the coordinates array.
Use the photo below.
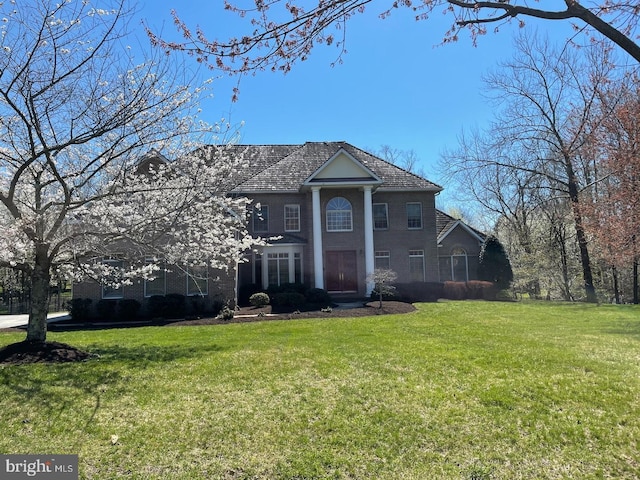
{"type": "Point", "coordinates": [341, 172]}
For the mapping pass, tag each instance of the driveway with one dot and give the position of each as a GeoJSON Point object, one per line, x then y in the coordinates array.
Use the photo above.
{"type": "Point", "coordinates": [9, 321]}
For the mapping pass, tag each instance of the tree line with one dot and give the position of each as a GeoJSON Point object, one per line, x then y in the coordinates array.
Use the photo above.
{"type": "Point", "coordinates": [559, 171]}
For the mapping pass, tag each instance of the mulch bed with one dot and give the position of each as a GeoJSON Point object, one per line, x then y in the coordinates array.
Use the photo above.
{"type": "Point", "coordinates": [251, 314]}
{"type": "Point", "coordinates": [56, 352]}
{"type": "Point", "coordinates": [41, 352]}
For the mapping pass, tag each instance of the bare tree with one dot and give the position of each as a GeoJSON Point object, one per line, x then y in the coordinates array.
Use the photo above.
{"type": "Point", "coordinates": [550, 107]}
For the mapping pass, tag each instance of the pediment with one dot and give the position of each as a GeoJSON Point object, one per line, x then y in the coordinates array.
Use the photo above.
{"type": "Point", "coordinates": [342, 168]}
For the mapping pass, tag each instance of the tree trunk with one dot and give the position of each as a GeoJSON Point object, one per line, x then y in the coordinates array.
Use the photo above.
{"type": "Point", "coordinates": [635, 280]}
{"type": "Point", "coordinates": [581, 236]}
{"type": "Point", "coordinates": [616, 286]}
{"type": "Point", "coordinates": [40, 278]}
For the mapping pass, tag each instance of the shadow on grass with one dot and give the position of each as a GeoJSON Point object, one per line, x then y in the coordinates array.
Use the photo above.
{"type": "Point", "coordinates": [624, 328]}
{"type": "Point", "coordinates": [143, 356]}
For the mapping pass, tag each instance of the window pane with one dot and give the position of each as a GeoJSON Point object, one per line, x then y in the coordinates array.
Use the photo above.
{"type": "Point", "coordinates": [339, 215]}
{"type": "Point", "coordinates": [414, 215]}
{"type": "Point", "coordinates": [112, 287]}
{"type": "Point", "coordinates": [382, 260]}
{"type": "Point", "coordinates": [292, 218]}
{"type": "Point", "coordinates": [158, 284]}
{"type": "Point", "coordinates": [297, 266]}
{"type": "Point", "coordinates": [459, 263]}
{"type": "Point", "coordinates": [445, 269]}
{"type": "Point", "coordinates": [416, 265]}
{"type": "Point", "coordinates": [278, 268]}
{"type": "Point", "coordinates": [261, 218]}
{"type": "Point", "coordinates": [197, 281]}
{"type": "Point", "coordinates": [380, 218]}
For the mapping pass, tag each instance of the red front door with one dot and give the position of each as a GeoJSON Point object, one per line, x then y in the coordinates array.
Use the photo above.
{"type": "Point", "coordinates": [342, 271]}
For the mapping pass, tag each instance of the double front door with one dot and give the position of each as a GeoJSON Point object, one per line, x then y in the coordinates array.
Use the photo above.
{"type": "Point", "coordinates": [341, 271]}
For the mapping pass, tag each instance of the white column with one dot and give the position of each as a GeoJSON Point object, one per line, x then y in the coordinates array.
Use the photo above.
{"type": "Point", "coordinates": [318, 271]}
{"type": "Point", "coordinates": [369, 256]}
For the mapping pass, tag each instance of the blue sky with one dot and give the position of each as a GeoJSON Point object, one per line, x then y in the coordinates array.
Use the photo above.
{"type": "Point", "coordinates": [396, 87]}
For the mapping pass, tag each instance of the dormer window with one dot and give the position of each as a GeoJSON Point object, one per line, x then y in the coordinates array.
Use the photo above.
{"type": "Point", "coordinates": [339, 215]}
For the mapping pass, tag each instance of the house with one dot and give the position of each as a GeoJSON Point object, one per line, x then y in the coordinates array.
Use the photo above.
{"type": "Point", "coordinates": [334, 213]}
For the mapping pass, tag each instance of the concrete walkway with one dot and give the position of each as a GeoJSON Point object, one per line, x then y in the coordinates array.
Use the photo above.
{"type": "Point", "coordinates": [10, 321]}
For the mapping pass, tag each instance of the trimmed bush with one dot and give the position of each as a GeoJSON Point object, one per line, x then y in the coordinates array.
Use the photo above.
{"type": "Point", "coordinates": [245, 292]}
{"type": "Point", "coordinates": [318, 296]}
{"type": "Point", "coordinates": [106, 309]}
{"type": "Point", "coordinates": [478, 289]}
{"type": "Point", "coordinates": [172, 305]}
{"type": "Point", "coordinates": [197, 305]}
{"type": "Point", "coordinates": [128, 309]}
{"type": "Point", "coordinates": [455, 290]}
{"type": "Point", "coordinates": [289, 300]}
{"type": "Point", "coordinates": [175, 305]}
{"type": "Point", "coordinates": [79, 309]}
{"type": "Point", "coordinates": [156, 306]}
{"type": "Point", "coordinates": [300, 288]}
{"type": "Point", "coordinates": [259, 299]}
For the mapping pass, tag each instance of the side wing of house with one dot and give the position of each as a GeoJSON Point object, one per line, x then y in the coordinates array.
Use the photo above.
{"type": "Point", "coordinates": [459, 248]}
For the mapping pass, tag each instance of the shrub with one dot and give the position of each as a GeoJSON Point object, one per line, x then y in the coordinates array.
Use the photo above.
{"type": "Point", "coordinates": [289, 299]}
{"type": "Point", "coordinates": [455, 290]}
{"type": "Point", "coordinates": [245, 292]}
{"type": "Point", "coordinates": [172, 305]}
{"type": "Point", "coordinates": [216, 307]}
{"type": "Point", "coordinates": [226, 313]}
{"type": "Point", "coordinates": [79, 309]}
{"type": "Point", "coordinates": [156, 306]}
{"type": "Point", "coordinates": [259, 299]}
{"type": "Point", "coordinates": [106, 309]}
{"type": "Point", "coordinates": [479, 289]}
{"type": "Point", "coordinates": [300, 288]}
{"type": "Point", "coordinates": [197, 304]}
{"type": "Point", "coordinates": [175, 305]}
{"type": "Point", "coordinates": [128, 309]}
{"type": "Point", "coordinates": [318, 296]}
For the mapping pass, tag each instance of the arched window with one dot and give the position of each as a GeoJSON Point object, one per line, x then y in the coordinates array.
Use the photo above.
{"type": "Point", "coordinates": [339, 218]}
{"type": "Point", "coordinates": [459, 267]}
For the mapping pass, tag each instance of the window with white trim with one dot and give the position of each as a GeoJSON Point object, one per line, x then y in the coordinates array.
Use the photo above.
{"type": "Point", "coordinates": [260, 218]}
{"type": "Point", "coordinates": [459, 265]}
{"type": "Point", "coordinates": [455, 266]}
{"type": "Point", "coordinates": [297, 267]}
{"type": "Point", "coordinates": [157, 285]}
{"type": "Point", "coordinates": [292, 218]}
{"type": "Point", "coordinates": [277, 268]}
{"type": "Point", "coordinates": [416, 265]}
{"type": "Point", "coordinates": [382, 259]}
{"type": "Point", "coordinates": [112, 287]}
{"type": "Point", "coordinates": [414, 215]}
{"type": "Point", "coordinates": [339, 215]}
{"type": "Point", "coordinates": [380, 216]}
{"type": "Point", "coordinates": [197, 280]}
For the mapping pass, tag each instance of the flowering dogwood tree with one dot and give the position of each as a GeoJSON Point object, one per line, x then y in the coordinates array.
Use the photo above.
{"type": "Point", "coordinates": [77, 113]}
{"type": "Point", "coordinates": [280, 33]}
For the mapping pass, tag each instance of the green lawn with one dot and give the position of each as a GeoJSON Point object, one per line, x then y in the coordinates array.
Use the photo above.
{"type": "Point", "coordinates": [459, 390]}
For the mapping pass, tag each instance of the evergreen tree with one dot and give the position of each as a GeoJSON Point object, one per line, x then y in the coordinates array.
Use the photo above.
{"type": "Point", "coordinates": [494, 264]}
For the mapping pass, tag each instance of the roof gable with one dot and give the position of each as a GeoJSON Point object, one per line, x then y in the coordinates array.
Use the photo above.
{"type": "Point", "coordinates": [446, 224]}
{"type": "Point", "coordinates": [342, 168]}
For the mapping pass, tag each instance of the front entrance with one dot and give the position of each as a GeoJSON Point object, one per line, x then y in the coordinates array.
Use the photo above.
{"type": "Point", "coordinates": [342, 271]}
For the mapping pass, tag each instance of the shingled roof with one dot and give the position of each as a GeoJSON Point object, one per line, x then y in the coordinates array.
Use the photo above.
{"type": "Point", "coordinates": [284, 168]}
{"type": "Point", "coordinates": [445, 222]}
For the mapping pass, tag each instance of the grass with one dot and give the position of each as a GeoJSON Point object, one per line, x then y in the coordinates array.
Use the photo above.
{"type": "Point", "coordinates": [456, 390]}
